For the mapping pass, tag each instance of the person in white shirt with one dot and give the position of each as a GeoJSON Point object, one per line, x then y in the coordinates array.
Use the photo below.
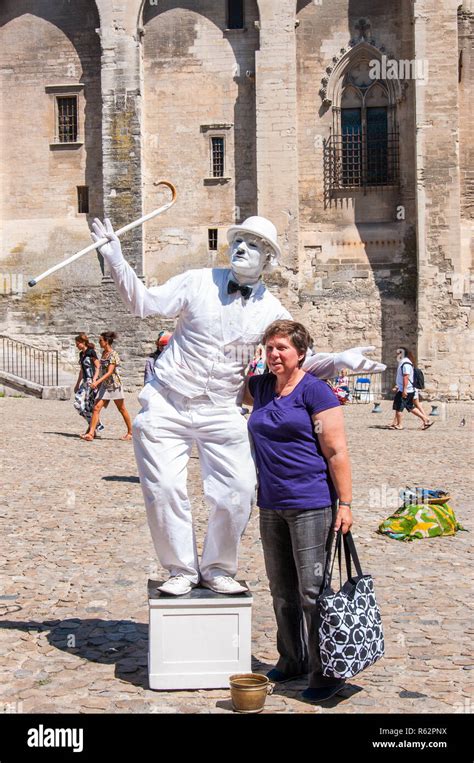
{"type": "Point", "coordinates": [195, 399]}
{"type": "Point", "coordinates": [405, 391]}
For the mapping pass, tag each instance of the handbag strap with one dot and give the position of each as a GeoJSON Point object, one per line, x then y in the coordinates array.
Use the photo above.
{"type": "Point", "coordinates": [349, 552]}
{"type": "Point", "coordinates": [328, 568]}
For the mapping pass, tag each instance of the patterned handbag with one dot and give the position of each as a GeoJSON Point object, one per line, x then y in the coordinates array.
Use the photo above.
{"type": "Point", "coordinates": [350, 630]}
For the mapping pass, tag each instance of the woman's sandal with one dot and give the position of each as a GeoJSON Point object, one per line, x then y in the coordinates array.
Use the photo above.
{"type": "Point", "coordinates": [427, 426]}
{"type": "Point", "coordinates": [87, 437]}
{"type": "Point", "coordinates": [127, 436]}
{"type": "Point", "coordinates": [392, 426]}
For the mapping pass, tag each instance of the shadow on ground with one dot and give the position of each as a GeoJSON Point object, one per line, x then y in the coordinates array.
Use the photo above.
{"type": "Point", "coordinates": [124, 643]}
{"type": "Point", "coordinates": [120, 642]}
{"type": "Point", "coordinates": [120, 478]}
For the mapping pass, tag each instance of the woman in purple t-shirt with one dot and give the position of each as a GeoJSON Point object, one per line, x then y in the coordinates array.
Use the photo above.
{"type": "Point", "coordinates": [300, 449]}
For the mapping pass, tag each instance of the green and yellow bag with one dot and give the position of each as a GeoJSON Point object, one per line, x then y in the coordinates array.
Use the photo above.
{"type": "Point", "coordinates": [425, 520]}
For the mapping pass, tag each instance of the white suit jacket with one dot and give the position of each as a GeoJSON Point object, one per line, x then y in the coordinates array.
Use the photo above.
{"type": "Point", "coordinates": [216, 334]}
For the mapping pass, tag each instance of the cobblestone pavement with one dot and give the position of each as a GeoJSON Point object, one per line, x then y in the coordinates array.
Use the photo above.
{"type": "Point", "coordinates": [77, 555]}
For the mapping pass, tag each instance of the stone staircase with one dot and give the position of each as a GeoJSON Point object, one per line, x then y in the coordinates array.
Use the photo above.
{"type": "Point", "coordinates": [32, 370]}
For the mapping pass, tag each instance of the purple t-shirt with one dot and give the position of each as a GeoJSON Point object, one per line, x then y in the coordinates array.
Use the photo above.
{"type": "Point", "coordinates": [292, 471]}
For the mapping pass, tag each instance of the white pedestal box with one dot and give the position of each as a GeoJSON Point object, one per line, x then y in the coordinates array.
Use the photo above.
{"type": "Point", "coordinates": [198, 640]}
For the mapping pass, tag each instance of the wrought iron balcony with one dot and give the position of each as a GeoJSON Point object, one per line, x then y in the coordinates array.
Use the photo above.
{"type": "Point", "coordinates": [355, 160]}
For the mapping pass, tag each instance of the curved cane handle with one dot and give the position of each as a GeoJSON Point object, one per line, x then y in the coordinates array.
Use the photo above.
{"type": "Point", "coordinates": [119, 232]}
{"type": "Point", "coordinates": [172, 188]}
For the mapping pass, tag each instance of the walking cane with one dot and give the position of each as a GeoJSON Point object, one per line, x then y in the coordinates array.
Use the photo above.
{"type": "Point", "coordinates": [102, 241]}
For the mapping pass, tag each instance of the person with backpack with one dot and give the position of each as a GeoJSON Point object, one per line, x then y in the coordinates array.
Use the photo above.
{"type": "Point", "coordinates": [409, 379]}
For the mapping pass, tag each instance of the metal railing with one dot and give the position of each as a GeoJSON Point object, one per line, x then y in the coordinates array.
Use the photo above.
{"type": "Point", "coordinates": [28, 362]}
{"type": "Point", "coordinates": [378, 387]}
{"type": "Point", "coordinates": [355, 160]}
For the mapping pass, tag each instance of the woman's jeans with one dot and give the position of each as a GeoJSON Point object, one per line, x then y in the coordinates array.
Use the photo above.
{"type": "Point", "coordinates": [295, 545]}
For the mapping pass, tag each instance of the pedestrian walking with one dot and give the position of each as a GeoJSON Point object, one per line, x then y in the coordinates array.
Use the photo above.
{"type": "Point", "coordinates": [418, 404]}
{"type": "Point", "coordinates": [83, 391]}
{"type": "Point", "coordinates": [405, 391]}
{"type": "Point", "coordinates": [108, 383]}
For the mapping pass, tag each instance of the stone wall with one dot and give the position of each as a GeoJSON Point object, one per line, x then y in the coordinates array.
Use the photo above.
{"type": "Point", "coordinates": [199, 81]}
{"type": "Point", "coordinates": [44, 45]}
{"type": "Point", "coordinates": [384, 266]}
{"type": "Point", "coordinates": [356, 246]}
{"type": "Point", "coordinates": [466, 110]}
{"type": "Point", "coordinates": [445, 346]}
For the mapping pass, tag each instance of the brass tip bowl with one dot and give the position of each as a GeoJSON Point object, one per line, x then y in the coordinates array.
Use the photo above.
{"type": "Point", "coordinates": [249, 691]}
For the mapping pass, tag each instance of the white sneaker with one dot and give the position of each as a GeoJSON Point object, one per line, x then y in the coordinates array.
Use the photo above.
{"type": "Point", "coordinates": [224, 584]}
{"type": "Point", "coordinates": [177, 585]}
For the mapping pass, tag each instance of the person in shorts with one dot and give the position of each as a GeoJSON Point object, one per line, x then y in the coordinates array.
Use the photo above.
{"type": "Point", "coordinates": [404, 399]}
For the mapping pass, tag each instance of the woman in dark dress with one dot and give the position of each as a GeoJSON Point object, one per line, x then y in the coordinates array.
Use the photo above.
{"type": "Point", "coordinates": [84, 393]}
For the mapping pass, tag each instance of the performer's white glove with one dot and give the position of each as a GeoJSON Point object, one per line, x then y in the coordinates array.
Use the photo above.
{"type": "Point", "coordinates": [111, 252]}
{"type": "Point", "coordinates": [325, 365]}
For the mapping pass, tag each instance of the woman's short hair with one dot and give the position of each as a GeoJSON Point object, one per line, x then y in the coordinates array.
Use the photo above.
{"type": "Point", "coordinates": [298, 335]}
{"type": "Point", "coordinates": [109, 336]}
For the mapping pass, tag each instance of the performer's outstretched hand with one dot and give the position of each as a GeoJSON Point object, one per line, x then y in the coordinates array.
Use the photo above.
{"type": "Point", "coordinates": [355, 360]}
{"type": "Point", "coordinates": [111, 252]}
{"type": "Point", "coordinates": [325, 365]}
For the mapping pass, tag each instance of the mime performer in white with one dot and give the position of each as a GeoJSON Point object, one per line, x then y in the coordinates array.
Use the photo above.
{"type": "Point", "coordinates": [222, 314]}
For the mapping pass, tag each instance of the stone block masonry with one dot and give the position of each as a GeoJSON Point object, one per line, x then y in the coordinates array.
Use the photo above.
{"type": "Point", "coordinates": [156, 82]}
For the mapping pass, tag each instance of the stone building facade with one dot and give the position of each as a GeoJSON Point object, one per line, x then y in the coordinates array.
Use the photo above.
{"type": "Point", "coordinates": [348, 123]}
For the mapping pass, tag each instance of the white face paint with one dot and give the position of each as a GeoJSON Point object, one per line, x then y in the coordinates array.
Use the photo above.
{"type": "Point", "coordinates": [248, 255]}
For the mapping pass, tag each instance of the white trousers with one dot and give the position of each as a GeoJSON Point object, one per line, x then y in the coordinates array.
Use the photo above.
{"type": "Point", "coordinates": [163, 435]}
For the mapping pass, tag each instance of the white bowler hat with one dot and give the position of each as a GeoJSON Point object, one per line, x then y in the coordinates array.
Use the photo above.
{"type": "Point", "coordinates": [260, 227]}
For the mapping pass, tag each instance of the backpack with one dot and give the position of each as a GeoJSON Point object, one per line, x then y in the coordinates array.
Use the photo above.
{"type": "Point", "coordinates": [418, 378]}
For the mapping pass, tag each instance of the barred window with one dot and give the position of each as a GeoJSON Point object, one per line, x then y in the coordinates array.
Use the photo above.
{"type": "Point", "coordinates": [212, 239]}
{"type": "Point", "coordinates": [66, 119]}
{"type": "Point", "coordinates": [235, 14]}
{"type": "Point", "coordinates": [363, 148]}
{"type": "Point", "coordinates": [83, 199]}
{"type": "Point", "coordinates": [217, 157]}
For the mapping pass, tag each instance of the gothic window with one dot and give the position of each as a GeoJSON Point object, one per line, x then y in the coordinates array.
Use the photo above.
{"type": "Point", "coordinates": [362, 150]}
